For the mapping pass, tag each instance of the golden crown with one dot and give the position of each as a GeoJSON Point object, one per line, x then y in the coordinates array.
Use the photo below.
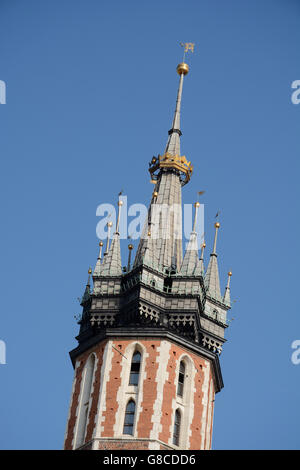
{"type": "Point", "coordinates": [172, 161]}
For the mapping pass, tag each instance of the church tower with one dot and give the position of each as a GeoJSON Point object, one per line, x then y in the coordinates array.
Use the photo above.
{"type": "Point", "coordinates": [147, 362]}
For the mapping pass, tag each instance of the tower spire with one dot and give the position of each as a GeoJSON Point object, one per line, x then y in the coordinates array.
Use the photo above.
{"type": "Point", "coordinates": [170, 171]}
{"type": "Point", "coordinates": [173, 144]}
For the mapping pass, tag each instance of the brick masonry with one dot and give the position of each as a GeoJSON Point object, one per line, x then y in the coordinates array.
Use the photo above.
{"type": "Point", "coordinates": [155, 397]}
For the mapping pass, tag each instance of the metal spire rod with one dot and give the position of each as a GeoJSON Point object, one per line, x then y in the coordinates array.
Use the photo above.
{"type": "Point", "coordinates": [109, 225]}
{"type": "Point", "coordinates": [217, 226]}
{"type": "Point", "coordinates": [100, 249]}
{"type": "Point", "coordinates": [196, 205]}
{"type": "Point", "coordinates": [120, 204]}
{"type": "Point", "coordinates": [202, 251]}
{"type": "Point", "coordinates": [130, 248]}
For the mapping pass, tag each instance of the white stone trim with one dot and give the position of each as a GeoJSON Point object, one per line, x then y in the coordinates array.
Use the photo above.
{"type": "Point", "coordinates": [104, 378]}
{"type": "Point", "coordinates": [77, 363]}
{"type": "Point", "coordinates": [209, 416]}
{"type": "Point", "coordinates": [91, 394]}
{"type": "Point", "coordinates": [81, 422]}
{"type": "Point", "coordinates": [205, 384]}
{"type": "Point", "coordinates": [161, 377]}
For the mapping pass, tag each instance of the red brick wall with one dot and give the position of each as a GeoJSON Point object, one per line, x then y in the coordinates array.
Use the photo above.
{"type": "Point", "coordinates": [144, 424]}
{"type": "Point", "coordinates": [75, 398]}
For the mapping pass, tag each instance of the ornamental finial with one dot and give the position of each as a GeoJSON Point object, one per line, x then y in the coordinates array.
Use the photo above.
{"type": "Point", "coordinates": [183, 68]}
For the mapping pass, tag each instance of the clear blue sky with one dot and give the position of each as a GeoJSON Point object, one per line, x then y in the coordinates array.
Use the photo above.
{"type": "Point", "coordinates": [91, 88]}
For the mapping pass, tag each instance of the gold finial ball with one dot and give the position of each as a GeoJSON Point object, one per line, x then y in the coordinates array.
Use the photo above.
{"type": "Point", "coordinates": [182, 68]}
{"type": "Point", "coordinates": [155, 194]}
{"type": "Point", "coordinates": [217, 225]}
{"type": "Point", "coordinates": [90, 271]}
{"type": "Point", "coordinates": [130, 247]}
{"type": "Point", "coordinates": [100, 243]}
{"type": "Point", "coordinates": [120, 203]}
{"type": "Point", "coordinates": [197, 204]}
{"type": "Point", "coordinates": [109, 224]}
{"type": "Point", "coordinates": [204, 245]}
{"type": "Point", "coordinates": [229, 273]}
{"type": "Point", "coordinates": [149, 234]}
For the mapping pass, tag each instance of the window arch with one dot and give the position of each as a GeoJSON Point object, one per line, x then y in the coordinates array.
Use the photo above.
{"type": "Point", "coordinates": [180, 384]}
{"type": "Point", "coordinates": [87, 382]}
{"type": "Point", "coordinates": [135, 368]}
{"type": "Point", "coordinates": [129, 418]}
{"type": "Point", "coordinates": [176, 431]}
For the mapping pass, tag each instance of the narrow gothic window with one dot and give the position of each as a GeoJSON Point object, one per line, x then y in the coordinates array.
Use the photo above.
{"type": "Point", "coordinates": [176, 432]}
{"type": "Point", "coordinates": [167, 284]}
{"type": "Point", "coordinates": [168, 281]}
{"type": "Point", "coordinates": [181, 379]}
{"type": "Point", "coordinates": [129, 418]}
{"type": "Point", "coordinates": [135, 369]}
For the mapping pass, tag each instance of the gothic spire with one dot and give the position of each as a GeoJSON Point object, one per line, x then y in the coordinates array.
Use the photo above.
{"type": "Point", "coordinates": [170, 171]}
{"type": "Point", "coordinates": [212, 282]}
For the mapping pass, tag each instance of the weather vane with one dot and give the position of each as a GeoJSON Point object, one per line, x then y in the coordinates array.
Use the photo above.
{"type": "Point", "coordinates": [188, 46]}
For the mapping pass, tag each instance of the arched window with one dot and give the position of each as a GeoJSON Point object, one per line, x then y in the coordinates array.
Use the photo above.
{"type": "Point", "coordinates": [135, 369]}
{"type": "Point", "coordinates": [176, 432]}
{"type": "Point", "coordinates": [129, 418]}
{"type": "Point", "coordinates": [87, 381]}
{"type": "Point", "coordinates": [181, 374]}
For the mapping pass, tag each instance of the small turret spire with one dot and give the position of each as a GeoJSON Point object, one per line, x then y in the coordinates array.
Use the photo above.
{"type": "Point", "coordinates": [212, 281]}
{"type": "Point", "coordinates": [111, 265]}
{"type": "Point", "coordinates": [226, 298]}
{"type": "Point", "coordinates": [87, 292]}
{"type": "Point", "coordinates": [98, 264]}
{"type": "Point", "coordinates": [89, 276]}
{"type": "Point", "coordinates": [191, 264]}
{"type": "Point", "coordinates": [109, 225]}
